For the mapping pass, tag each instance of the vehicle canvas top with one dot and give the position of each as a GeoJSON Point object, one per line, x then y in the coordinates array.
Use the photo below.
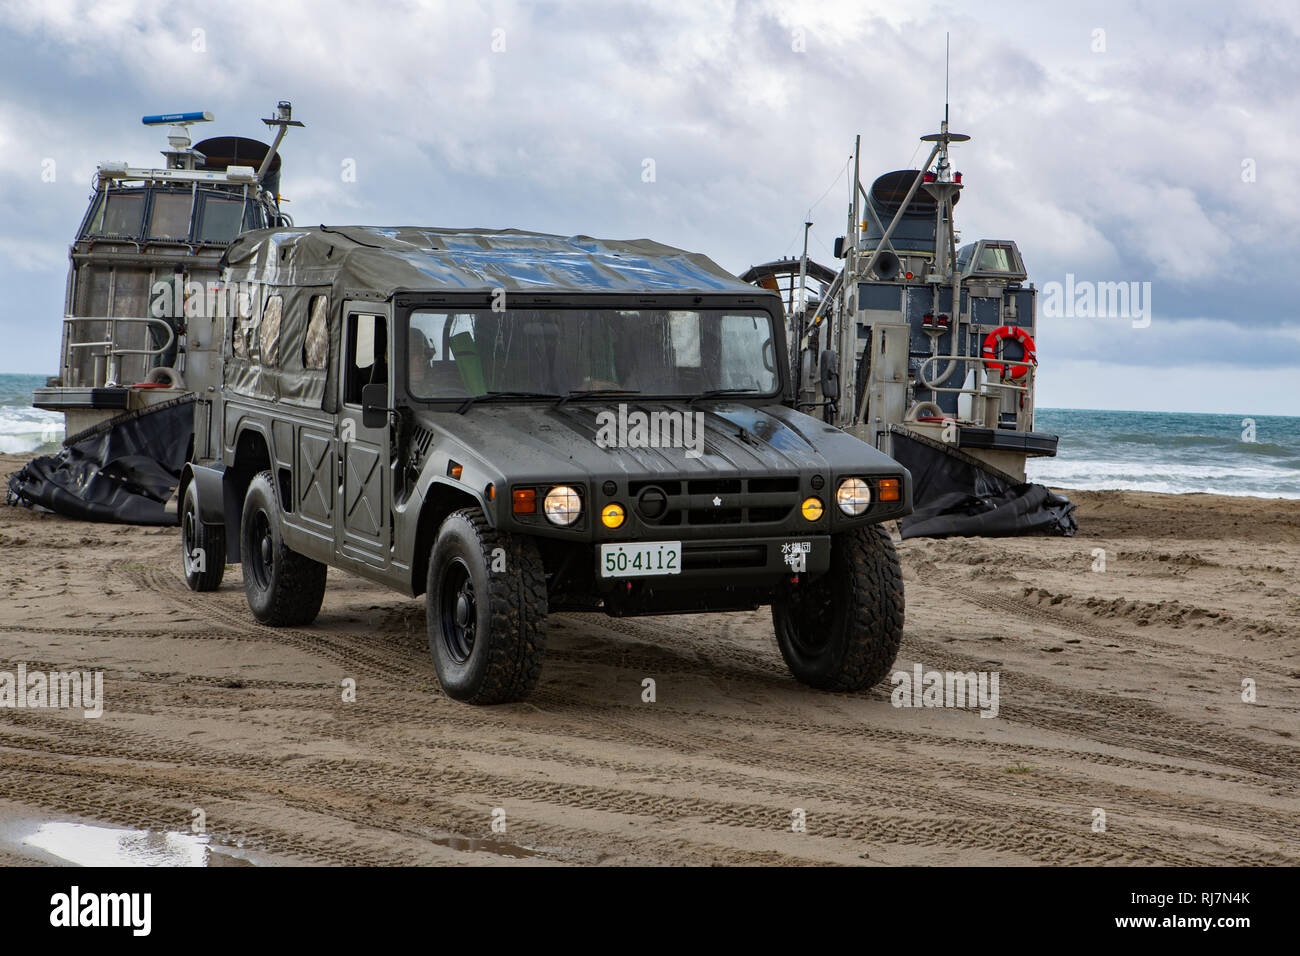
{"type": "Point", "coordinates": [387, 260]}
{"type": "Point", "coordinates": [298, 266]}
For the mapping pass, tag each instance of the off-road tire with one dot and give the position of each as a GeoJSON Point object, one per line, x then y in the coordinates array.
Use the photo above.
{"type": "Point", "coordinates": [209, 539]}
{"type": "Point", "coordinates": [499, 659]}
{"type": "Point", "coordinates": [841, 632]}
{"type": "Point", "coordinates": [283, 587]}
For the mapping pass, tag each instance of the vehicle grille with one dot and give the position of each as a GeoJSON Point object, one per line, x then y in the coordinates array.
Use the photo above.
{"type": "Point", "coordinates": [715, 502]}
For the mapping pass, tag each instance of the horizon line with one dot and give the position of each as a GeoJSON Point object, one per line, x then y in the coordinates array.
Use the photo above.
{"type": "Point", "coordinates": [1041, 408]}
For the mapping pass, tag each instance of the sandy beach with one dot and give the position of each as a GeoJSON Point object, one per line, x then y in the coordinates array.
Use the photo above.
{"type": "Point", "coordinates": [1121, 691]}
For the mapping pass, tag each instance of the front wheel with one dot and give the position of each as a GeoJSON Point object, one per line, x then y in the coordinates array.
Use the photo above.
{"type": "Point", "coordinates": [842, 631]}
{"type": "Point", "coordinates": [485, 600]}
{"type": "Point", "coordinates": [283, 587]}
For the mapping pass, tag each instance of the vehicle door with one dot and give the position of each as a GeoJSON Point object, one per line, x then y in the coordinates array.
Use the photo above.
{"type": "Point", "coordinates": [365, 474]}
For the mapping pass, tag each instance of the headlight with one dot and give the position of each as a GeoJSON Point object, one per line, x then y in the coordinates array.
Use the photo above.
{"type": "Point", "coordinates": [562, 505]}
{"type": "Point", "coordinates": [853, 496]}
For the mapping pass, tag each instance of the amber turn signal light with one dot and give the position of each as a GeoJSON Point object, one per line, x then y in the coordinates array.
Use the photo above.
{"type": "Point", "coordinates": [888, 489]}
{"type": "Point", "coordinates": [524, 501]}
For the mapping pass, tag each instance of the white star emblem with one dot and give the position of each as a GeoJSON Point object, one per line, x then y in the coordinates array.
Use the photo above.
{"type": "Point", "coordinates": [717, 502]}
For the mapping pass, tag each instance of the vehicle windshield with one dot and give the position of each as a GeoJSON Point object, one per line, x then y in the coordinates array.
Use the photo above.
{"type": "Point", "coordinates": [656, 353]}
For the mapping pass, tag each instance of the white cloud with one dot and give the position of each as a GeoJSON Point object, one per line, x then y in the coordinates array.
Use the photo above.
{"type": "Point", "coordinates": [1122, 165]}
{"type": "Point", "coordinates": [28, 256]}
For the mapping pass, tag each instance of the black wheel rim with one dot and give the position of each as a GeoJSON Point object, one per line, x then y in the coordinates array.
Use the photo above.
{"type": "Point", "coordinates": [458, 611]}
{"type": "Point", "coordinates": [261, 550]}
{"type": "Point", "coordinates": [811, 621]}
{"type": "Point", "coordinates": [187, 537]}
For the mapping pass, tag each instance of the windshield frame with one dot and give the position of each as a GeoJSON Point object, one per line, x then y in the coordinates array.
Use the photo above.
{"type": "Point", "coordinates": [761, 302]}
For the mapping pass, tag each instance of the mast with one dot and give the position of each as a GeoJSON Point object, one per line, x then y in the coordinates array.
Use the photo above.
{"type": "Point", "coordinates": [283, 119]}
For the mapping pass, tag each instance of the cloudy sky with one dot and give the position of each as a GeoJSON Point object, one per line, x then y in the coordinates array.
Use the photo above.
{"type": "Point", "coordinates": [1140, 142]}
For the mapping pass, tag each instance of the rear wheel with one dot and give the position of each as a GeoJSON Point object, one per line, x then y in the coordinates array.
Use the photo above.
{"type": "Point", "coordinates": [841, 632]}
{"type": "Point", "coordinates": [203, 546]}
{"type": "Point", "coordinates": [283, 587]}
{"type": "Point", "coordinates": [485, 600]}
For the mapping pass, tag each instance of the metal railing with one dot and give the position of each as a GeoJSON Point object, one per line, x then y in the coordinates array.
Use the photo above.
{"type": "Point", "coordinates": [981, 389]}
{"type": "Point", "coordinates": [114, 345]}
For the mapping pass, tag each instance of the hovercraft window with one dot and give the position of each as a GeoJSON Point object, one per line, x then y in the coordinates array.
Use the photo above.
{"type": "Point", "coordinates": [170, 218]}
{"type": "Point", "coordinates": [119, 215]}
{"type": "Point", "coordinates": [996, 259]}
{"type": "Point", "coordinates": [221, 219]}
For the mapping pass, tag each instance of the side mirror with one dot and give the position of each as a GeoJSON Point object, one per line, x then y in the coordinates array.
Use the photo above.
{"type": "Point", "coordinates": [374, 405]}
{"type": "Point", "coordinates": [839, 246]}
{"type": "Point", "coordinates": [830, 375]}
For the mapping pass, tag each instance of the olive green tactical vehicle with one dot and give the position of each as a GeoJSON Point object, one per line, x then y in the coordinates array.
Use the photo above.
{"type": "Point", "coordinates": [510, 423]}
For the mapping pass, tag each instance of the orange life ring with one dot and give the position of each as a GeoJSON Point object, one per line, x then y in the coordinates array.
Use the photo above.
{"type": "Point", "coordinates": [990, 352]}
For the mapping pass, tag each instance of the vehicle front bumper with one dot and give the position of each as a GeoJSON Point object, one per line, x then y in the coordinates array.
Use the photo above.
{"type": "Point", "coordinates": [722, 562]}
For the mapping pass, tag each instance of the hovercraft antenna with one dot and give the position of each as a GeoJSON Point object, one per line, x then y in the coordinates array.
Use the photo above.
{"type": "Point", "coordinates": [283, 119]}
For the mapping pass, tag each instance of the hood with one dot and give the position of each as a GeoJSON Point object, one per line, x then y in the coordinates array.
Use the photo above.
{"type": "Point", "coordinates": [598, 438]}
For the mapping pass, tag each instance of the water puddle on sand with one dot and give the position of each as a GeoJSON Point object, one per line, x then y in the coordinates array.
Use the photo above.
{"type": "Point", "coordinates": [82, 844]}
{"type": "Point", "coordinates": [473, 845]}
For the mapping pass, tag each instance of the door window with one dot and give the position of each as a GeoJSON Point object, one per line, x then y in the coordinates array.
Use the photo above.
{"type": "Point", "coordinates": [366, 355]}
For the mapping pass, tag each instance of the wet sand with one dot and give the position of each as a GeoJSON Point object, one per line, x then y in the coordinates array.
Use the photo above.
{"type": "Point", "coordinates": [1120, 691]}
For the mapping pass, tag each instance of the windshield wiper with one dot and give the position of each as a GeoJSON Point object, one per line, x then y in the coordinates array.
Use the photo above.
{"type": "Point", "coordinates": [490, 396]}
{"type": "Point", "coordinates": [718, 393]}
{"type": "Point", "coordinates": [585, 392]}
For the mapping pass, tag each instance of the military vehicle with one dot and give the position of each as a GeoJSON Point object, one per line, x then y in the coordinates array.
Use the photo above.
{"type": "Point", "coordinates": [510, 423]}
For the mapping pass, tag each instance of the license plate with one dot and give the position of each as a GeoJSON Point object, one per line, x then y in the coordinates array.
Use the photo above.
{"type": "Point", "coordinates": [640, 560]}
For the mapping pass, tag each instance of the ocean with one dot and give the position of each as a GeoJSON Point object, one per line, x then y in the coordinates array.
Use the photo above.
{"type": "Point", "coordinates": [1169, 452]}
{"type": "Point", "coordinates": [24, 429]}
